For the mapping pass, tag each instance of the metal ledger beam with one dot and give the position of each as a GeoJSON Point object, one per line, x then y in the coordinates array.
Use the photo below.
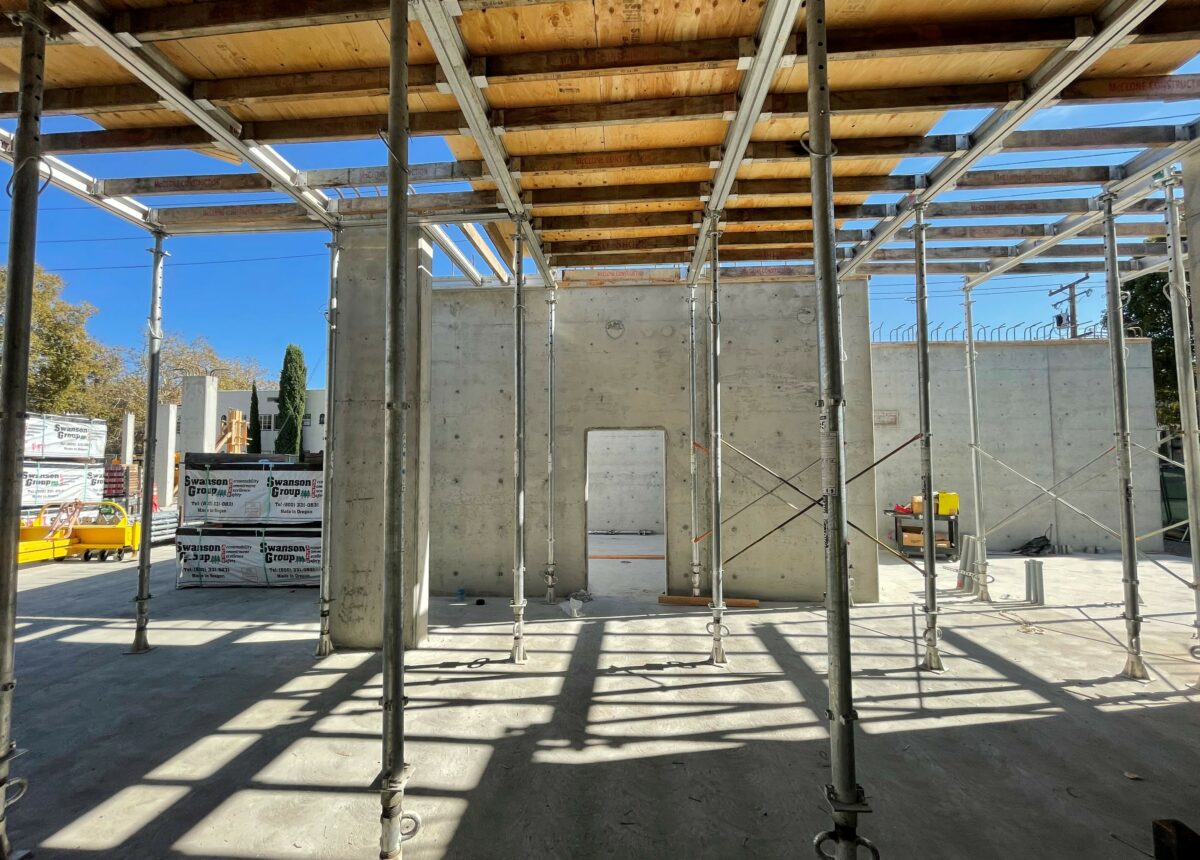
{"type": "Point", "coordinates": [845, 796]}
{"type": "Point", "coordinates": [1134, 666]}
{"type": "Point", "coordinates": [154, 338]}
{"type": "Point", "coordinates": [452, 56]}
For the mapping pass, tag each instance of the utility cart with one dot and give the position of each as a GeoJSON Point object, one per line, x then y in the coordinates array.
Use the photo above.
{"type": "Point", "coordinates": [91, 530]}
{"type": "Point", "coordinates": [908, 526]}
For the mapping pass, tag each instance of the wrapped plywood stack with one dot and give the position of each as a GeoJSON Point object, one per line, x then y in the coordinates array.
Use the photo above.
{"type": "Point", "coordinates": [64, 460]}
{"type": "Point", "coordinates": [253, 520]}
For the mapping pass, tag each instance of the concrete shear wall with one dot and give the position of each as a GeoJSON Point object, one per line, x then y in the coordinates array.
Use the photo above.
{"type": "Point", "coordinates": [1046, 409]}
{"type": "Point", "coordinates": [622, 361]}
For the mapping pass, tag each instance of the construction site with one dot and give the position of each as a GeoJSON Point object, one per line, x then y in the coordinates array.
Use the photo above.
{"type": "Point", "coordinates": [619, 521]}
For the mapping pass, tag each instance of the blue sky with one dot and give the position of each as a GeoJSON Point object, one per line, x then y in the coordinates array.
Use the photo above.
{"type": "Point", "coordinates": [251, 295]}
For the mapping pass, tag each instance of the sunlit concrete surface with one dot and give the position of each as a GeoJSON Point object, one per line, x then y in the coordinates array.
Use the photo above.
{"type": "Point", "coordinates": [230, 740]}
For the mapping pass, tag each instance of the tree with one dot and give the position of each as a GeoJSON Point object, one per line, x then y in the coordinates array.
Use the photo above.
{"type": "Point", "coordinates": [293, 385]}
{"type": "Point", "coordinates": [254, 434]}
{"type": "Point", "coordinates": [66, 365]}
{"type": "Point", "coordinates": [1149, 310]}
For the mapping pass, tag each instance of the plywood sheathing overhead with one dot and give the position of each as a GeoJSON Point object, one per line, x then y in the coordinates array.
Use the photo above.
{"type": "Point", "coordinates": [587, 26]}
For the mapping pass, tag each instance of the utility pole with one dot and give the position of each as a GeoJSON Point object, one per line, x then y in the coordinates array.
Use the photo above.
{"type": "Point", "coordinates": [1072, 302]}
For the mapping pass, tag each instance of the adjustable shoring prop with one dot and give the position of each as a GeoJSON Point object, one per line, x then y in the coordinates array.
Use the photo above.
{"type": "Point", "coordinates": [14, 376]}
{"type": "Point", "coordinates": [933, 657]}
{"type": "Point", "coordinates": [1135, 667]}
{"type": "Point", "coordinates": [845, 796]}
{"type": "Point", "coordinates": [716, 626]}
{"type": "Point", "coordinates": [549, 575]}
{"type": "Point", "coordinates": [325, 640]}
{"type": "Point", "coordinates": [154, 339]}
{"type": "Point", "coordinates": [396, 825]}
{"type": "Point", "coordinates": [518, 599]}
{"type": "Point", "coordinates": [694, 438]}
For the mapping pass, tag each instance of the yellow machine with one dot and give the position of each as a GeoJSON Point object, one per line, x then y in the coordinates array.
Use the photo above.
{"type": "Point", "coordinates": [92, 530]}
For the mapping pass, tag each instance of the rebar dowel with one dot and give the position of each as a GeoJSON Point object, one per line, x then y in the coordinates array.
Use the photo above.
{"type": "Point", "coordinates": [845, 796]}
{"type": "Point", "coordinates": [395, 773]}
{"type": "Point", "coordinates": [980, 567]}
{"type": "Point", "coordinates": [693, 440]}
{"type": "Point", "coordinates": [1180, 319]}
{"type": "Point", "coordinates": [714, 455]}
{"type": "Point", "coordinates": [932, 661]}
{"type": "Point", "coordinates": [518, 599]}
{"type": "Point", "coordinates": [325, 640]}
{"type": "Point", "coordinates": [14, 374]}
{"type": "Point", "coordinates": [154, 338]}
{"type": "Point", "coordinates": [550, 574]}
{"type": "Point", "coordinates": [1135, 668]}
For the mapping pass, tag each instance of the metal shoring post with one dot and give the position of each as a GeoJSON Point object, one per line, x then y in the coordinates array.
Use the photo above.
{"type": "Point", "coordinates": [845, 796]}
{"type": "Point", "coordinates": [1135, 668]}
{"type": "Point", "coordinates": [717, 625]}
{"type": "Point", "coordinates": [397, 826]}
{"type": "Point", "coordinates": [154, 338]}
{"type": "Point", "coordinates": [518, 600]}
{"type": "Point", "coordinates": [1180, 320]}
{"type": "Point", "coordinates": [693, 440]}
{"type": "Point", "coordinates": [933, 658]}
{"type": "Point", "coordinates": [550, 576]}
{"type": "Point", "coordinates": [14, 377]}
{"type": "Point", "coordinates": [325, 641]}
{"type": "Point", "coordinates": [981, 558]}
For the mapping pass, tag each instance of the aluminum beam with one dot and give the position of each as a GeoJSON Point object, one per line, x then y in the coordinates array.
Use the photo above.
{"type": "Point", "coordinates": [438, 235]}
{"type": "Point", "coordinates": [1136, 181]}
{"type": "Point", "coordinates": [774, 32]}
{"type": "Point", "coordinates": [1115, 22]}
{"type": "Point", "coordinates": [452, 56]}
{"type": "Point", "coordinates": [483, 249]}
{"type": "Point", "coordinates": [224, 129]}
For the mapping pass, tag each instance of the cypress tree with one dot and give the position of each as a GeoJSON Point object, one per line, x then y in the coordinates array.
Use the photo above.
{"type": "Point", "coordinates": [293, 382]}
{"type": "Point", "coordinates": [253, 432]}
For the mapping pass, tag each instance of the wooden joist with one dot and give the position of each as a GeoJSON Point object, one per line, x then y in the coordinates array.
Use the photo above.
{"type": "Point", "coordinates": [641, 111]}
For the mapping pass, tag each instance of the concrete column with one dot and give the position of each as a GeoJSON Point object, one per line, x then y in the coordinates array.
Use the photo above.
{"type": "Point", "coordinates": [355, 497]}
{"type": "Point", "coordinates": [127, 433]}
{"type": "Point", "coordinates": [164, 454]}
{"type": "Point", "coordinates": [198, 415]}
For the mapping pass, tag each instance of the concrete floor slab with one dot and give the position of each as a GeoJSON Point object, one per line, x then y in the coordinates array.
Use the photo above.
{"type": "Point", "coordinates": [230, 740]}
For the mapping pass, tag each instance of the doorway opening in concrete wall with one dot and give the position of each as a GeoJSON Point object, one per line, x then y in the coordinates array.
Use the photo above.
{"type": "Point", "coordinates": [626, 513]}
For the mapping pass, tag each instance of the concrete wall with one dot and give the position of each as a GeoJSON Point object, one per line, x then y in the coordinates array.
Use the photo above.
{"type": "Point", "coordinates": [625, 481]}
{"type": "Point", "coordinates": [1046, 409]}
{"type": "Point", "coordinates": [622, 361]}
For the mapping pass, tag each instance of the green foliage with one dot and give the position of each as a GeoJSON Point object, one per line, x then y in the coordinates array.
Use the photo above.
{"type": "Point", "coordinates": [1149, 310]}
{"type": "Point", "coordinates": [65, 364]}
{"type": "Point", "coordinates": [293, 388]}
{"type": "Point", "coordinates": [254, 432]}
{"type": "Point", "coordinates": [72, 372]}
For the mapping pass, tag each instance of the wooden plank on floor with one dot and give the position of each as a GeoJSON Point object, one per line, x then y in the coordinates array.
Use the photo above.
{"type": "Point", "coordinates": [640, 557]}
{"type": "Point", "coordinates": [688, 600]}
